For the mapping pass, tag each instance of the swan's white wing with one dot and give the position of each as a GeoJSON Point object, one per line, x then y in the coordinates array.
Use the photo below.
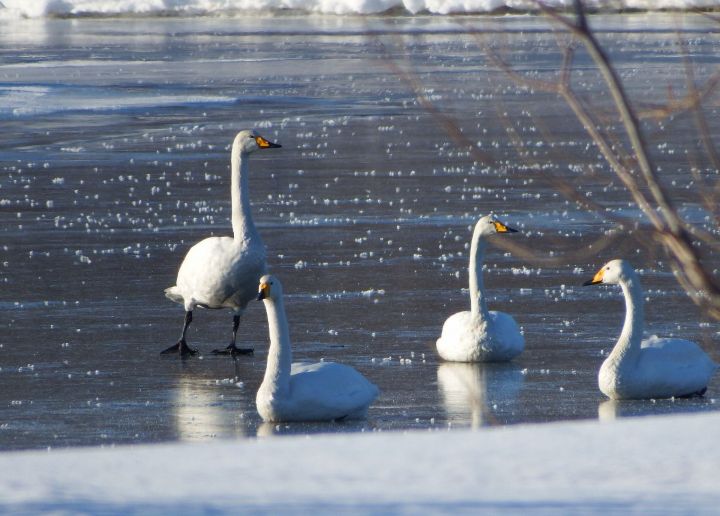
{"type": "Point", "coordinates": [327, 390]}
{"type": "Point", "coordinates": [247, 271]}
{"type": "Point", "coordinates": [509, 342]}
{"type": "Point", "coordinates": [218, 272]}
{"type": "Point", "coordinates": [677, 366]}
{"type": "Point", "coordinates": [468, 339]}
{"type": "Point", "coordinates": [461, 338]}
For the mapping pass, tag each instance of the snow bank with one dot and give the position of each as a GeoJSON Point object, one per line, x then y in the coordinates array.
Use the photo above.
{"type": "Point", "coordinates": [40, 8]}
{"type": "Point", "coordinates": [635, 465]}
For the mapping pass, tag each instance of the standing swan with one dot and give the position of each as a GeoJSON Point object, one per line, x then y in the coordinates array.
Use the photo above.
{"type": "Point", "coordinates": [222, 272]}
{"type": "Point", "coordinates": [480, 335]}
{"type": "Point", "coordinates": [323, 391]}
{"type": "Point", "coordinates": [651, 368]}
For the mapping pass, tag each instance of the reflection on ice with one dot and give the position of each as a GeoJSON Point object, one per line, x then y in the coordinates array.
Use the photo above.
{"type": "Point", "coordinates": [312, 427]}
{"type": "Point", "coordinates": [610, 410]}
{"type": "Point", "coordinates": [200, 413]}
{"type": "Point", "coordinates": [267, 429]}
{"type": "Point", "coordinates": [473, 393]}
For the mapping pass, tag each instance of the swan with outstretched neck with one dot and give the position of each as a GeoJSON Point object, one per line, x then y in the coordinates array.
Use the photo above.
{"type": "Point", "coordinates": [480, 335]}
{"type": "Point", "coordinates": [222, 272]}
{"type": "Point", "coordinates": [651, 368]}
{"type": "Point", "coordinates": [322, 391]}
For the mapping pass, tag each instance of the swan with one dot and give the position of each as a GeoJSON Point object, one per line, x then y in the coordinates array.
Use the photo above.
{"type": "Point", "coordinates": [651, 368]}
{"type": "Point", "coordinates": [322, 391]}
{"type": "Point", "coordinates": [480, 335]}
{"type": "Point", "coordinates": [222, 272]}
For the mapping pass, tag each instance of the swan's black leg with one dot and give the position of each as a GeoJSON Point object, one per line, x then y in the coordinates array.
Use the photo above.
{"type": "Point", "coordinates": [232, 349]}
{"type": "Point", "coordinates": [181, 345]}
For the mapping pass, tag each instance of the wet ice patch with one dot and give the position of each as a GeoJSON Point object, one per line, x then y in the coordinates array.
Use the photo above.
{"type": "Point", "coordinates": [24, 101]}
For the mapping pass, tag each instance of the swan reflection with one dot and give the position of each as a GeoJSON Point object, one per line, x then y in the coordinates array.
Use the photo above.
{"type": "Point", "coordinates": [471, 392]}
{"type": "Point", "coordinates": [203, 411]}
{"type": "Point", "coordinates": [268, 429]}
{"type": "Point", "coordinates": [610, 410]}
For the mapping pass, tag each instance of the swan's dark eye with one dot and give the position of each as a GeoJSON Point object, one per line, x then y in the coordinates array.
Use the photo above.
{"type": "Point", "coordinates": [271, 283]}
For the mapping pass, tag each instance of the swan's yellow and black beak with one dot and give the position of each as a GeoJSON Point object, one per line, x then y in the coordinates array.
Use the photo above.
{"type": "Point", "coordinates": [502, 228]}
{"type": "Point", "coordinates": [265, 144]}
{"type": "Point", "coordinates": [263, 291]}
{"type": "Point", "coordinates": [596, 279]}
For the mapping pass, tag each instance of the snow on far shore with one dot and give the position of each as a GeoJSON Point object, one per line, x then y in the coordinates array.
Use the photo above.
{"type": "Point", "coordinates": [665, 464]}
{"type": "Point", "coordinates": [41, 8]}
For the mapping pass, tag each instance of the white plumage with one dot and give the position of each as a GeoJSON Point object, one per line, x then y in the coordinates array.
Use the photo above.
{"type": "Point", "coordinates": [222, 272]}
{"type": "Point", "coordinates": [322, 391]}
{"type": "Point", "coordinates": [651, 368]}
{"type": "Point", "coordinates": [480, 335]}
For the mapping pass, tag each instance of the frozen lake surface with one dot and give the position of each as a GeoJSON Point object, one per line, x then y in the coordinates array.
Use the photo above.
{"type": "Point", "coordinates": [115, 159]}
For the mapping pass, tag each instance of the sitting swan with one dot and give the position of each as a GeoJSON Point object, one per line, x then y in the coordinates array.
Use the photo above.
{"type": "Point", "coordinates": [222, 272]}
{"type": "Point", "coordinates": [480, 335]}
{"type": "Point", "coordinates": [651, 368]}
{"type": "Point", "coordinates": [323, 391]}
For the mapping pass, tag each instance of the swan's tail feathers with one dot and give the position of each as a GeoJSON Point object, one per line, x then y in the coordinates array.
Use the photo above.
{"type": "Point", "coordinates": [173, 294]}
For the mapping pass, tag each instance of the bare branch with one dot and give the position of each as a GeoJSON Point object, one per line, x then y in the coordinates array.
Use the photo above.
{"type": "Point", "coordinates": [560, 258]}
{"type": "Point", "coordinates": [686, 103]}
{"type": "Point", "coordinates": [671, 230]}
{"type": "Point", "coordinates": [622, 172]}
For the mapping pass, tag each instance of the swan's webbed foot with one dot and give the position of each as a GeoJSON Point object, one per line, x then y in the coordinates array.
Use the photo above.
{"type": "Point", "coordinates": [181, 347]}
{"type": "Point", "coordinates": [233, 350]}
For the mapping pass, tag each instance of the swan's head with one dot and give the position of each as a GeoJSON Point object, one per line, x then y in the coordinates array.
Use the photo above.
{"type": "Point", "coordinates": [612, 273]}
{"type": "Point", "coordinates": [249, 141]}
{"type": "Point", "coordinates": [489, 225]}
{"type": "Point", "coordinates": [270, 288]}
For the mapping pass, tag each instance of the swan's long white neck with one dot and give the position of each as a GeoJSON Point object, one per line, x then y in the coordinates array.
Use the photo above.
{"type": "Point", "coordinates": [632, 332]}
{"type": "Point", "coordinates": [277, 372]}
{"type": "Point", "coordinates": [478, 303]}
{"type": "Point", "coordinates": [242, 221]}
